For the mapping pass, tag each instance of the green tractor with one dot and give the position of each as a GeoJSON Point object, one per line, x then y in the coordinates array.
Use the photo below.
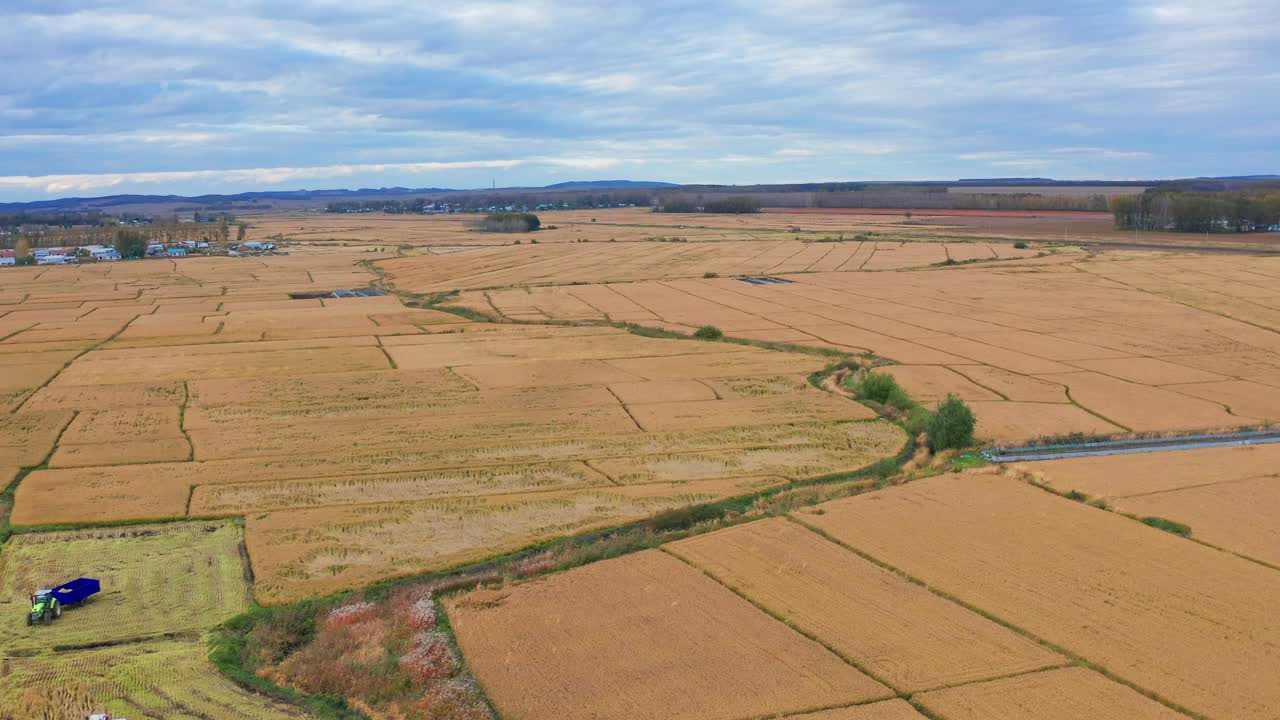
{"type": "Point", "coordinates": [44, 608]}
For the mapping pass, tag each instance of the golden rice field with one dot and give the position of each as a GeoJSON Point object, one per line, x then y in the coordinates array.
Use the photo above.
{"type": "Point", "coordinates": [199, 439]}
{"type": "Point", "coordinates": [204, 389]}
{"type": "Point", "coordinates": [1068, 343]}
{"type": "Point", "coordinates": [156, 580]}
{"type": "Point", "coordinates": [975, 596]}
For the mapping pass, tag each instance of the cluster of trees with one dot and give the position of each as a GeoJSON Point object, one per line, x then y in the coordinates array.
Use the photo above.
{"type": "Point", "coordinates": [479, 201]}
{"type": "Point", "coordinates": [394, 207]}
{"type": "Point", "coordinates": [732, 204]}
{"type": "Point", "coordinates": [52, 219]}
{"type": "Point", "coordinates": [897, 196]}
{"type": "Point", "coordinates": [1198, 212]}
{"type": "Point", "coordinates": [509, 223]}
{"type": "Point", "coordinates": [165, 232]}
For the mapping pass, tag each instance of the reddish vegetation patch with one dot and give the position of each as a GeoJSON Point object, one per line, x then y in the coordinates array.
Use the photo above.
{"type": "Point", "coordinates": [387, 657]}
{"type": "Point", "coordinates": [935, 212]}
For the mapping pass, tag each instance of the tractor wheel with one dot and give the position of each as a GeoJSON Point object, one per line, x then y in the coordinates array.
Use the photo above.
{"type": "Point", "coordinates": [28, 619]}
{"type": "Point", "coordinates": [57, 611]}
{"type": "Point", "coordinates": [48, 618]}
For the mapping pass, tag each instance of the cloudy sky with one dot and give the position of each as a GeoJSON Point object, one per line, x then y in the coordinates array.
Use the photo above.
{"type": "Point", "coordinates": [147, 96]}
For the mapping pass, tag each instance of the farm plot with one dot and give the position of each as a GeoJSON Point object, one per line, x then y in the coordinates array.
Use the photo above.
{"type": "Point", "coordinates": [900, 632]}
{"type": "Point", "coordinates": [1120, 476]}
{"type": "Point", "coordinates": [26, 438]}
{"type": "Point", "coordinates": [1229, 497]}
{"type": "Point", "coordinates": [560, 264]}
{"type": "Point", "coordinates": [120, 437]}
{"type": "Point", "coordinates": [162, 490]}
{"type": "Point", "coordinates": [1042, 563]}
{"type": "Point", "coordinates": [155, 579]}
{"type": "Point", "coordinates": [693, 649]}
{"type": "Point", "coordinates": [167, 679]}
{"type": "Point", "coordinates": [241, 498]}
{"type": "Point", "coordinates": [227, 398]}
{"type": "Point", "coordinates": [303, 552]}
{"type": "Point", "coordinates": [1065, 694]}
{"type": "Point", "coordinates": [887, 710]}
{"type": "Point", "coordinates": [1242, 516]}
{"type": "Point", "coordinates": [101, 368]}
{"type": "Point", "coordinates": [108, 397]}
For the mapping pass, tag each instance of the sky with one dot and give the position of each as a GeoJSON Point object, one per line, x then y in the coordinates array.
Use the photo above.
{"type": "Point", "coordinates": [195, 97]}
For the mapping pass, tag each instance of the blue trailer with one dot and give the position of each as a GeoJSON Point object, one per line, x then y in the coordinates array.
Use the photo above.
{"type": "Point", "coordinates": [46, 605]}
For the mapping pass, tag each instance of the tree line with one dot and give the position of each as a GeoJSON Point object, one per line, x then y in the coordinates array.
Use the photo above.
{"type": "Point", "coordinates": [733, 204]}
{"type": "Point", "coordinates": [1198, 212]}
{"type": "Point", "coordinates": [130, 241]}
{"type": "Point", "coordinates": [509, 223]}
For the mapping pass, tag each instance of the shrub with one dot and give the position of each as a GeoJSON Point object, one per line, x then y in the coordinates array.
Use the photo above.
{"type": "Point", "coordinates": [885, 390]}
{"type": "Point", "coordinates": [1020, 245]}
{"type": "Point", "coordinates": [708, 332]}
{"type": "Point", "coordinates": [685, 517]}
{"type": "Point", "coordinates": [878, 387]}
{"type": "Point", "coordinates": [918, 420]}
{"type": "Point", "coordinates": [1160, 523]}
{"type": "Point", "coordinates": [951, 426]}
{"type": "Point", "coordinates": [509, 223]}
{"type": "Point", "coordinates": [708, 275]}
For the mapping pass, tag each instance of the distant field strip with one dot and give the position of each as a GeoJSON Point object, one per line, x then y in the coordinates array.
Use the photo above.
{"type": "Point", "coordinates": [1055, 347]}
{"type": "Point", "coordinates": [558, 264]}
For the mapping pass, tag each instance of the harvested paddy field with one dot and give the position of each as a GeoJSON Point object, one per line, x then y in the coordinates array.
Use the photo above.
{"type": "Point", "coordinates": [1042, 563]}
{"type": "Point", "coordinates": [168, 679]}
{"type": "Point", "coordinates": [693, 649]}
{"type": "Point", "coordinates": [156, 579]}
{"type": "Point", "coordinates": [1118, 341]}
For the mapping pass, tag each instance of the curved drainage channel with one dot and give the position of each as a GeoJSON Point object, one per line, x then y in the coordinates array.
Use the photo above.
{"type": "Point", "coordinates": [1128, 447]}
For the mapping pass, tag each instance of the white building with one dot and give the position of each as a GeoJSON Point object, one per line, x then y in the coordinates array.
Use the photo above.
{"type": "Point", "coordinates": [102, 253]}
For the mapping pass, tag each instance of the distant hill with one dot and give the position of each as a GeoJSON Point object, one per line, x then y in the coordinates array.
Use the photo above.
{"type": "Point", "coordinates": [602, 184]}
{"type": "Point", "coordinates": [1009, 180]}
{"type": "Point", "coordinates": [298, 199]}
{"type": "Point", "coordinates": [292, 197]}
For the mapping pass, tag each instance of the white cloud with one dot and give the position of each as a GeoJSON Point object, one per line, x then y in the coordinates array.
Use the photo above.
{"type": "Point", "coordinates": [738, 90]}
{"type": "Point", "coordinates": [262, 176]}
